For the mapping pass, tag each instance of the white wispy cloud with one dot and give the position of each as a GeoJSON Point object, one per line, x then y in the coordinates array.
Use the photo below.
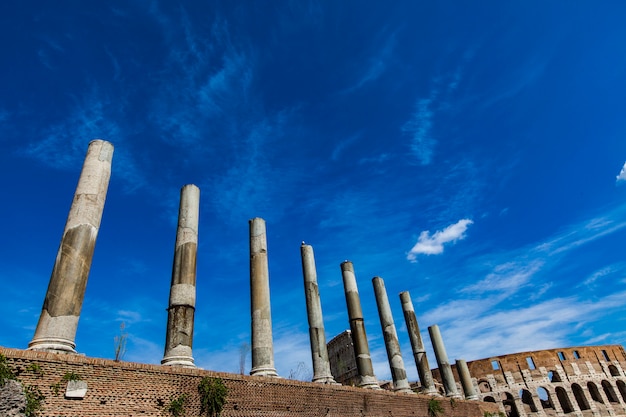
{"type": "Point", "coordinates": [343, 145]}
{"type": "Point", "coordinates": [377, 64]}
{"type": "Point", "coordinates": [419, 128]}
{"type": "Point", "coordinates": [508, 277]}
{"type": "Point", "coordinates": [622, 174]}
{"type": "Point", "coordinates": [494, 316]}
{"type": "Point", "coordinates": [93, 116]}
{"type": "Point", "coordinates": [428, 244]}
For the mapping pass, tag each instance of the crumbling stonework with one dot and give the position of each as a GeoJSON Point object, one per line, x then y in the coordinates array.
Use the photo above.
{"type": "Point", "coordinates": [12, 399]}
{"type": "Point", "coordinates": [581, 381]}
{"type": "Point", "coordinates": [342, 359]}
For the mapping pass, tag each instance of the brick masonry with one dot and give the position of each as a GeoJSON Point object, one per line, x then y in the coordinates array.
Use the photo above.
{"type": "Point", "coordinates": [135, 389]}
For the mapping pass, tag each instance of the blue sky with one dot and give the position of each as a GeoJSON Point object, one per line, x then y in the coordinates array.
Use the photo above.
{"type": "Point", "coordinates": [470, 153]}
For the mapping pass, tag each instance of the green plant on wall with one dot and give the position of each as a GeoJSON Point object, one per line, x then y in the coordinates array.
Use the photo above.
{"type": "Point", "coordinates": [35, 368]}
{"type": "Point", "coordinates": [56, 388]}
{"type": "Point", "coordinates": [34, 399]}
{"type": "Point", "coordinates": [434, 407]}
{"type": "Point", "coordinates": [5, 371]}
{"type": "Point", "coordinates": [71, 376]}
{"type": "Point", "coordinates": [177, 406]}
{"type": "Point", "coordinates": [213, 394]}
{"type": "Point", "coordinates": [498, 414]}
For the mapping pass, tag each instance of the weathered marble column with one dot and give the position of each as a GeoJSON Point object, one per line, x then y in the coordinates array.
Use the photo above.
{"type": "Point", "coordinates": [367, 379]}
{"type": "Point", "coordinates": [182, 303]}
{"type": "Point", "coordinates": [419, 352]}
{"type": "Point", "coordinates": [466, 380]}
{"type": "Point", "coordinates": [317, 336]}
{"type": "Point", "coordinates": [445, 370]}
{"type": "Point", "coordinates": [262, 346]}
{"type": "Point", "coordinates": [56, 330]}
{"type": "Point", "coordinates": [394, 354]}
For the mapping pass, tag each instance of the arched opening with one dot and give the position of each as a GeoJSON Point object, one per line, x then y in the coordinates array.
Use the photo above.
{"type": "Point", "coordinates": [595, 394]}
{"type": "Point", "coordinates": [609, 391]}
{"type": "Point", "coordinates": [566, 404]}
{"type": "Point", "coordinates": [527, 400]}
{"type": "Point", "coordinates": [613, 370]}
{"type": "Point", "coordinates": [489, 399]}
{"type": "Point", "coordinates": [621, 386]}
{"type": "Point", "coordinates": [581, 399]}
{"type": "Point", "coordinates": [483, 385]}
{"type": "Point", "coordinates": [509, 405]}
{"type": "Point", "coordinates": [553, 376]}
{"type": "Point", "coordinates": [544, 398]}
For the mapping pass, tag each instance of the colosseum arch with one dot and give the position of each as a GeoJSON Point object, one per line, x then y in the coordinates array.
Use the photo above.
{"type": "Point", "coordinates": [509, 404]}
{"type": "Point", "coordinates": [581, 398]}
{"type": "Point", "coordinates": [613, 370]}
{"type": "Point", "coordinates": [544, 398]}
{"type": "Point", "coordinates": [621, 386]}
{"type": "Point", "coordinates": [564, 400]}
{"type": "Point", "coordinates": [553, 376]}
{"type": "Point", "coordinates": [527, 400]}
{"type": "Point", "coordinates": [609, 391]}
{"type": "Point", "coordinates": [489, 399]}
{"type": "Point", "coordinates": [483, 385]}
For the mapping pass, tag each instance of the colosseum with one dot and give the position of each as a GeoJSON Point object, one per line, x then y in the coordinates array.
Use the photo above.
{"type": "Point", "coordinates": [583, 381]}
{"type": "Point", "coordinates": [580, 381]}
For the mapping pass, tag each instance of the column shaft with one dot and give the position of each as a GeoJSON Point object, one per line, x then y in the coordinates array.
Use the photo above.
{"type": "Point", "coordinates": [466, 380]}
{"type": "Point", "coordinates": [445, 370]}
{"type": "Point", "coordinates": [419, 352]}
{"type": "Point", "coordinates": [357, 327]}
{"type": "Point", "coordinates": [394, 355]}
{"type": "Point", "coordinates": [317, 336]}
{"type": "Point", "coordinates": [56, 330]}
{"type": "Point", "coordinates": [182, 302]}
{"type": "Point", "coordinates": [262, 348]}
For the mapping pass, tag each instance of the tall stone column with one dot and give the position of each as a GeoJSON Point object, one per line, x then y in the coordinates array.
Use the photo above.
{"type": "Point", "coordinates": [367, 379]}
{"type": "Point", "coordinates": [445, 370]}
{"type": "Point", "coordinates": [317, 336]}
{"type": "Point", "coordinates": [419, 352]}
{"type": "Point", "coordinates": [56, 330]}
{"type": "Point", "coordinates": [466, 380]}
{"type": "Point", "coordinates": [394, 355]}
{"type": "Point", "coordinates": [262, 346]}
{"type": "Point", "coordinates": [182, 303]}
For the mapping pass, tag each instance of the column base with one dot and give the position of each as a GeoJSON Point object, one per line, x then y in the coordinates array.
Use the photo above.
{"type": "Point", "coordinates": [369, 382]}
{"type": "Point", "coordinates": [325, 380]}
{"type": "Point", "coordinates": [53, 345]}
{"type": "Point", "coordinates": [264, 371]}
{"type": "Point", "coordinates": [182, 361]}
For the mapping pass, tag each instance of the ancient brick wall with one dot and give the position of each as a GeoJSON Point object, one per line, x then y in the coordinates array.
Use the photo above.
{"type": "Point", "coordinates": [133, 389]}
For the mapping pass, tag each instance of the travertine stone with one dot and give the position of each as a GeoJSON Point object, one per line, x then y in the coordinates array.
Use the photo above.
{"type": "Point", "coordinates": [394, 354]}
{"type": "Point", "coordinates": [449, 385]}
{"type": "Point", "coordinates": [317, 336]}
{"type": "Point", "coordinates": [466, 380]}
{"type": "Point", "coordinates": [419, 352]}
{"type": "Point", "coordinates": [182, 302]}
{"type": "Point", "coordinates": [56, 330]}
{"type": "Point", "coordinates": [76, 390]}
{"type": "Point", "coordinates": [262, 347]}
{"type": "Point", "coordinates": [357, 327]}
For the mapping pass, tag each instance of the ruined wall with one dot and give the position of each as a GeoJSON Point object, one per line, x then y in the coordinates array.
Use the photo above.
{"type": "Point", "coordinates": [342, 360]}
{"type": "Point", "coordinates": [125, 388]}
{"type": "Point", "coordinates": [581, 381]}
